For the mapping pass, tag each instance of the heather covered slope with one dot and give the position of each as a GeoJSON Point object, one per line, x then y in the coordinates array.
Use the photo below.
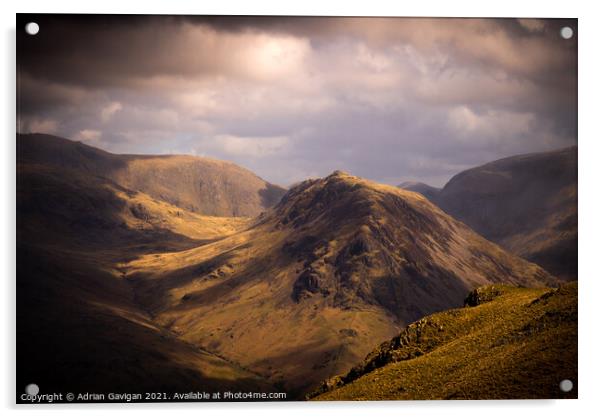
{"type": "Point", "coordinates": [338, 264]}
{"type": "Point", "coordinates": [201, 185]}
{"type": "Point", "coordinates": [507, 343]}
{"type": "Point", "coordinates": [526, 203]}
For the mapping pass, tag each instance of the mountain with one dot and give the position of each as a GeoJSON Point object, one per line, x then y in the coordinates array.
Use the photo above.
{"type": "Point", "coordinates": [79, 325]}
{"type": "Point", "coordinates": [304, 293]}
{"type": "Point", "coordinates": [120, 281]}
{"type": "Point", "coordinates": [507, 343]}
{"type": "Point", "coordinates": [201, 185]}
{"type": "Point", "coordinates": [526, 203]}
{"type": "Point", "coordinates": [424, 189]}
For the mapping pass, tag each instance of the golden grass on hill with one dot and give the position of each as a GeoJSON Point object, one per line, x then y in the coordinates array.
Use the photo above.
{"type": "Point", "coordinates": [518, 343]}
{"type": "Point", "coordinates": [145, 212]}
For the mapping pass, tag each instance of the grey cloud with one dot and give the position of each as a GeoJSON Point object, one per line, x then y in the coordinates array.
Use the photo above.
{"type": "Point", "coordinates": [389, 99]}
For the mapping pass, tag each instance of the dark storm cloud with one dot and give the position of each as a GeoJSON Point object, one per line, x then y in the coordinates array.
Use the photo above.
{"type": "Point", "coordinates": [291, 97]}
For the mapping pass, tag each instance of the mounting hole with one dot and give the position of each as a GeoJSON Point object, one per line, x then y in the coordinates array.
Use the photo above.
{"type": "Point", "coordinates": [566, 32]}
{"type": "Point", "coordinates": [32, 28]}
{"type": "Point", "coordinates": [566, 385]}
{"type": "Point", "coordinates": [32, 389]}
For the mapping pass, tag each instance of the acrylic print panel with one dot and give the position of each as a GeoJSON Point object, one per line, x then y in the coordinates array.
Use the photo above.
{"type": "Point", "coordinates": [248, 208]}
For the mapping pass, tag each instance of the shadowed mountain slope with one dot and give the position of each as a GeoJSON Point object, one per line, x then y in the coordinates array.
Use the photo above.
{"type": "Point", "coordinates": [79, 329]}
{"type": "Point", "coordinates": [507, 343]}
{"type": "Point", "coordinates": [79, 326]}
{"type": "Point", "coordinates": [526, 203]}
{"type": "Point", "coordinates": [338, 264]}
{"type": "Point", "coordinates": [427, 191]}
{"type": "Point", "coordinates": [202, 185]}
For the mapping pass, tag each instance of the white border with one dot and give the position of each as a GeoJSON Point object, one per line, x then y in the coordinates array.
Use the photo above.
{"type": "Point", "coordinates": [590, 202]}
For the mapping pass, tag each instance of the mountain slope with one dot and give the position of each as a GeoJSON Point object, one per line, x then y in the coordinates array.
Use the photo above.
{"type": "Point", "coordinates": [202, 185]}
{"type": "Point", "coordinates": [427, 191]}
{"type": "Point", "coordinates": [526, 203]}
{"type": "Point", "coordinates": [339, 263]}
{"type": "Point", "coordinates": [72, 206]}
{"type": "Point", "coordinates": [79, 325]}
{"type": "Point", "coordinates": [80, 330]}
{"type": "Point", "coordinates": [508, 343]}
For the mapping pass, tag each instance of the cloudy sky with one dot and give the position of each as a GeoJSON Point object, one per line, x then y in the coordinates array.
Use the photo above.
{"type": "Point", "coordinates": [390, 99]}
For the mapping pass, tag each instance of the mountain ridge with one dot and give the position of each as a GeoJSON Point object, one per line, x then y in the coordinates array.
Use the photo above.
{"type": "Point", "coordinates": [526, 203]}
{"type": "Point", "coordinates": [203, 185]}
{"type": "Point", "coordinates": [424, 189]}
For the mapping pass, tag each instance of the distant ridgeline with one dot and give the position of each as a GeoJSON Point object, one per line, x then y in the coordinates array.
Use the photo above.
{"type": "Point", "coordinates": [526, 203]}
{"type": "Point", "coordinates": [202, 185]}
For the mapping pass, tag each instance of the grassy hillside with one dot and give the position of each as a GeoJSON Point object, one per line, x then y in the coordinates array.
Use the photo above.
{"type": "Point", "coordinates": [507, 343]}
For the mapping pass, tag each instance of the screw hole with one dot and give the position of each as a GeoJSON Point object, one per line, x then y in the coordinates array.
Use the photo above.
{"type": "Point", "coordinates": [566, 385]}
{"type": "Point", "coordinates": [566, 32]}
{"type": "Point", "coordinates": [32, 389]}
{"type": "Point", "coordinates": [32, 28]}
